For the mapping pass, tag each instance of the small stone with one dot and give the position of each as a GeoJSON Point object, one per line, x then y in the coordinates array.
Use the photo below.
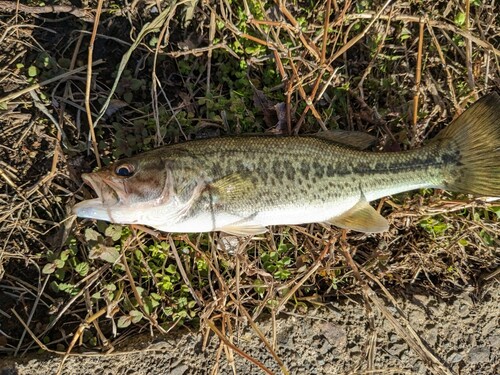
{"type": "Point", "coordinates": [393, 338]}
{"type": "Point", "coordinates": [455, 357]}
{"type": "Point", "coordinates": [489, 327]}
{"type": "Point", "coordinates": [422, 299]}
{"type": "Point", "coordinates": [462, 306]}
{"type": "Point", "coordinates": [397, 349]}
{"type": "Point", "coordinates": [495, 341]}
{"type": "Point", "coordinates": [479, 354]}
{"type": "Point", "coordinates": [229, 244]}
{"type": "Point", "coordinates": [179, 370]}
{"type": "Point", "coordinates": [419, 368]}
{"type": "Point", "coordinates": [431, 334]}
{"type": "Point", "coordinates": [335, 335]}
{"type": "Point", "coordinates": [418, 317]}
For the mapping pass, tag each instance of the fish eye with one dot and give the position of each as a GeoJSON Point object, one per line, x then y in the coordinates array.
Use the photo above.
{"type": "Point", "coordinates": [125, 170]}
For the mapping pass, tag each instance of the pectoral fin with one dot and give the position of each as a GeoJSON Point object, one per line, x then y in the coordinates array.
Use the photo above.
{"type": "Point", "coordinates": [362, 218]}
{"type": "Point", "coordinates": [243, 230]}
{"type": "Point", "coordinates": [233, 186]}
{"type": "Point", "coordinates": [357, 140]}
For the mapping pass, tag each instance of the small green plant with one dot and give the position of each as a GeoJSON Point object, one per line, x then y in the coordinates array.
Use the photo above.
{"type": "Point", "coordinates": [278, 262]}
{"type": "Point", "coordinates": [434, 225]}
{"type": "Point", "coordinates": [61, 264]}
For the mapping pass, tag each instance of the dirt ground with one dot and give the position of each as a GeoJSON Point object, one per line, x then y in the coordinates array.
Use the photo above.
{"type": "Point", "coordinates": [462, 333]}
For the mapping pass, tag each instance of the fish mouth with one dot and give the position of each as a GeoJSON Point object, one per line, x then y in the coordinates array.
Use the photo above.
{"type": "Point", "coordinates": [107, 196]}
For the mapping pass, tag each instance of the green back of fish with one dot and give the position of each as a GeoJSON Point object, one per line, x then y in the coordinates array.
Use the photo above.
{"type": "Point", "coordinates": [256, 172]}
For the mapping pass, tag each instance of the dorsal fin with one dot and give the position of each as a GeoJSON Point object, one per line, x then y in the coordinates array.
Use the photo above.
{"type": "Point", "coordinates": [357, 140]}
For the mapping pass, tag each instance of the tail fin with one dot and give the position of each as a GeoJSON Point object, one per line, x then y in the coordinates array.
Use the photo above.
{"type": "Point", "coordinates": [475, 136]}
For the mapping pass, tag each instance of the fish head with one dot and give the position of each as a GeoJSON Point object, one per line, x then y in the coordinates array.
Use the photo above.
{"type": "Point", "coordinates": [126, 188]}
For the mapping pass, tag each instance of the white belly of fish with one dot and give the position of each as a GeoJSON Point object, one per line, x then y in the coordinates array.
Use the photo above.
{"type": "Point", "coordinates": [287, 215]}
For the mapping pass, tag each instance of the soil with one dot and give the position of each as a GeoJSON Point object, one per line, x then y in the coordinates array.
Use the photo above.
{"type": "Point", "coordinates": [463, 334]}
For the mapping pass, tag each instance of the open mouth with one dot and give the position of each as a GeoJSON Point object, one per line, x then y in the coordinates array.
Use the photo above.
{"type": "Point", "coordinates": [106, 196]}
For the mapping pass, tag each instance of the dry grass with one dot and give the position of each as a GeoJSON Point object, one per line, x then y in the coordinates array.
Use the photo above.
{"type": "Point", "coordinates": [399, 72]}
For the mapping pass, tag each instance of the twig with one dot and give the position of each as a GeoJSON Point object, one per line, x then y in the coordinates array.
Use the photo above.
{"type": "Point", "coordinates": [183, 271]}
{"type": "Point", "coordinates": [418, 76]}
{"type": "Point", "coordinates": [138, 296]}
{"type": "Point", "coordinates": [153, 26]}
{"type": "Point", "coordinates": [432, 23]}
{"type": "Point", "coordinates": [374, 61]}
{"type": "Point", "coordinates": [306, 42]}
{"type": "Point", "coordinates": [449, 79]}
{"type": "Point", "coordinates": [405, 331]}
{"type": "Point", "coordinates": [211, 36]}
{"type": "Point", "coordinates": [358, 37]}
{"type": "Point", "coordinates": [307, 99]}
{"type": "Point", "coordinates": [468, 49]}
{"type": "Point", "coordinates": [15, 6]}
{"type": "Point", "coordinates": [238, 350]}
{"type": "Point", "coordinates": [33, 309]}
{"type": "Point", "coordinates": [246, 314]}
{"type": "Point", "coordinates": [79, 332]}
{"type": "Point", "coordinates": [309, 273]}
{"type": "Point", "coordinates": [325, 31]}
{"type": "Point", "coordinates": [89, 83]}
{"type": "Point", "coordinates": [36, 86]}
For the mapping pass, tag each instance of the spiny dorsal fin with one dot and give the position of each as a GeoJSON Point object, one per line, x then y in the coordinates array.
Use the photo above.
{"type": "Point", "coordinates": [357, 140]}
{"type": "Point", "coordinates": [362, 218]}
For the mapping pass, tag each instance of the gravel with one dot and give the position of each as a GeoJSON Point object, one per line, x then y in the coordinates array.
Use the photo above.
{"type": "Point", "coordinates": [337, 339]}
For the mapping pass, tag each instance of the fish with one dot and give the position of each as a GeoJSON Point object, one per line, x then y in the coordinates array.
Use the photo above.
{"type": "Point", "coordinates": [243, 184]}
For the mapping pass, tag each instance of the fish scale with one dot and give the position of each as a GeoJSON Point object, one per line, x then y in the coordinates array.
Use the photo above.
{"type": "Point", "coordinates": [336, 171]}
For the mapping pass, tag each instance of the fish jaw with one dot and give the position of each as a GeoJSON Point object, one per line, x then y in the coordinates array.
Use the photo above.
{"type": "Point", "coordinates": [97, 208]}
{"type": "Point", "coordinates": [92, 209]}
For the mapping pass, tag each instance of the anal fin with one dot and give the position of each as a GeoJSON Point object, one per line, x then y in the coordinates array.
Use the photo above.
{"type": "Point", "coordinates": [362, 218]}
{"type": "Point", "coordinates": [243, 229]}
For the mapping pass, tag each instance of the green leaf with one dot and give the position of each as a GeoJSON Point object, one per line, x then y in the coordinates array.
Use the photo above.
{"type": "Point", "coordinates": [114, 231]}
{"type": "Point", "coordinates": [64, 255]}
{"type": "Point", "coordinates": [172, 269]}
{"type": "Point", "coordinates": [110, 287]}
{"type": "Point", "coordinates": [49, 268]}
{"type": "Point", "coordinates": [136, 84]}
{"type": "Point", "coordinates": [91, 235]}
{"type": "Point", "coordinates": [124, 321]}
{"type": "Point", "coordinates": [496, 210]}
{"type": "Point", "coordinates": [67, 288]}
{"type": "Point", "coordinates": [460, 19]}
{"type": "Point", "coordinates": [82, 268]}
{"type": "Point", "coordinates": [32, 71]}
{"type": "Point", "coordinates": [107, 253]}
{"type": "Point", "coordinates": [96, 295]}
{"type": "Point", "coordinates": [136, 316]}
{"type": "Point", "coordinates": [155, 296]}
{"type": "Point", "coordinates": [128, 97]}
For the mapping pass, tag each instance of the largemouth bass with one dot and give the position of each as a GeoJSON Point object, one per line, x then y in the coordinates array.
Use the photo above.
{"type": "Point", "coordinates": [240, 185]}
